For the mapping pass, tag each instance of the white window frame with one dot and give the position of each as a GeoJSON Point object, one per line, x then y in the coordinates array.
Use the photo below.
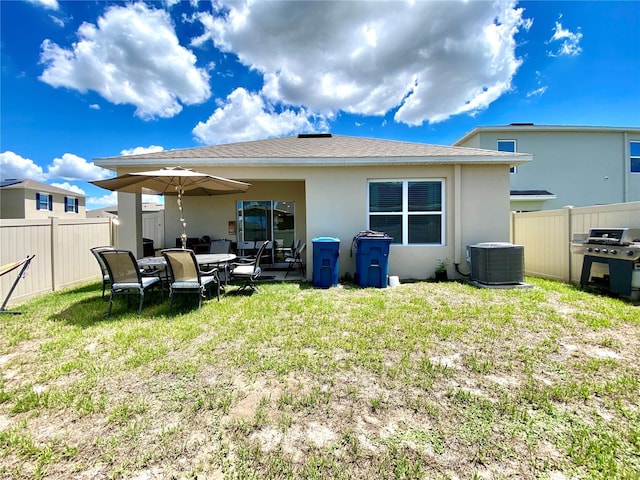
{"type": "Point", "coordinates": [39, 201]}
{"type": "Point", "coordinates": [74, 204]}
{"type": "Point", "coordinates": [632, 157]}
{"type": "Point", "coordinates": [513, 169]}
{"type": "Point", "coordinates": [405, 209]}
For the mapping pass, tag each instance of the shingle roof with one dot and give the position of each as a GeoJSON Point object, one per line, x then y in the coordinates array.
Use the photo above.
{"type": "Point", "coordinates": [532, 192]}
{"type": "Point", "coordinates": [306, 148]}
{"type": "Point", "coordinates": [29, 184]}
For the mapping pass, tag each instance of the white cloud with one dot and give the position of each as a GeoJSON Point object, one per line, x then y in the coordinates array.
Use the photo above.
{"type": "Point", "coordinates": [570, 42]}
{"type": "Point", "coordinates": [103, 201]}
{"type": "Point", "coordinates": [111, 199]}
{"type": "Point", "coordinates": [50, 4]}
{"type": "Point", "coordinates": [13, 165]}
{"type": "Point", "coordinates": [425, 60]}
{"type": "Point", "coordinates": [73, 167]}
{"type": "Point", "coordinates": [538, 92]}
{"type": "Point", "coordinates": [132, 56]}
{"type": "Point", "coordinates": [139, 150]}
{"type": "Point", "coordinates": [246, 116]}
{"type": "Point", "coordinates": [94, 106]}
{"type": "Point", "coordinates": [70, 187]}
{"type": "Point", "coordinates": [153, 199]}
{"type": "Point", "coordinates": [57, 20]}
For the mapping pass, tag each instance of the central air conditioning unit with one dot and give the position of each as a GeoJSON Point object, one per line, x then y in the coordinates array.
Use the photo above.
{"type": "Point", "coordinates": [496, 263]}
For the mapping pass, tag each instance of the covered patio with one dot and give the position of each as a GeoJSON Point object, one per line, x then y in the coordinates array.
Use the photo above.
{"type": "Point", "coordinates": [320, 185]}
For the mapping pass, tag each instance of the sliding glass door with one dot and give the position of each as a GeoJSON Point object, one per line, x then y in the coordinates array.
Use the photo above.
{"type": "Point", "coordinates": [267, 220]}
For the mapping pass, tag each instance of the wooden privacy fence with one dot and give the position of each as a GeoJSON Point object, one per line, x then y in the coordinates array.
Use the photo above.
{"type": "Point", "coordinates": [62, 253]}
{"type": "Point", "coordinates": [546, 236]}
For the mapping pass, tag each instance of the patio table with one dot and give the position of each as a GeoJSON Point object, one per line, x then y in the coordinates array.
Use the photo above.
{"type": "Point", "coordinates": [201, 258]}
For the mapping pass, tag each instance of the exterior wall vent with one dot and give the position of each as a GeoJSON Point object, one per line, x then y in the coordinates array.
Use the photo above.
{"type": "Point", "coordinates": [314, 135]}
{"type": "Point", "coordinates": [496, 263]}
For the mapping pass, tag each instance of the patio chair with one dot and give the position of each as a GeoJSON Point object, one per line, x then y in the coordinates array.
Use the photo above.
{"type": "Point", "coordinates": [185, 277]}
{"type": "Point", "coordinates": [248, 270]}
{"type": "Point", "coordinates": [267, 252]}
{"type": "Point", "coordinates": [149, 272]}
{"type": "Point", "coordinates": [220, 245]}
{"type": "Point", "coordinates": [103, 268]}
{"type": "Point", "coordinates": [125, 276]}
{"type": "Point", "coordinates": [295, 259]}
{"type": "Point", "coordinates": [245, 249]}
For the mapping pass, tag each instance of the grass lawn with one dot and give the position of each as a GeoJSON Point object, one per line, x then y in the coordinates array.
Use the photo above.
{"type": "Point", "coordinates": [426, 380]}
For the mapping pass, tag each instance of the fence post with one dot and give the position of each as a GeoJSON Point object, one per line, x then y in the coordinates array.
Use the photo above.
{"type": "Point", "coordinates": [568, 220]}
{"type": "Point", "coordinates": [54, 251]}
{"type": "Point", "coordinates": [512, 227]}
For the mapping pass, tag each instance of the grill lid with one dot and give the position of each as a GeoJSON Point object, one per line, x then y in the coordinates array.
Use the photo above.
{"type": "Point", "coordinates": [614, 236]}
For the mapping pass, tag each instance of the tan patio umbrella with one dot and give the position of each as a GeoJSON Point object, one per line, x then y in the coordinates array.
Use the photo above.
{"type": "Point", "coordinates": [173, 181]}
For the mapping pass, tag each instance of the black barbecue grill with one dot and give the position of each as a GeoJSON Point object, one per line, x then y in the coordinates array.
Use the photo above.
{"type": "Point", "coordinates": [611, 260]}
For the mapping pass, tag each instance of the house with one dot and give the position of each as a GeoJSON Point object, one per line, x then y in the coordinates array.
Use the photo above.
{"type": "Point", "coordinates": [152, 219]}
{"type": "Point", "coordinates": [578, 166]}
{"type": "Point", "coordinates": [433, 200]}
{"type": "Point", "coordinates": [29, 199]}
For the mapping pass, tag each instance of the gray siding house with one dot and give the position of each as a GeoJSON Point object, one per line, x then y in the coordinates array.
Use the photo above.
{"type": "Point", "coordinates": [572, 165]}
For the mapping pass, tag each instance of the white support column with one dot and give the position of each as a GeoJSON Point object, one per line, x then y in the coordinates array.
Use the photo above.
{"type": "Point", "coordinates": [130, 228]}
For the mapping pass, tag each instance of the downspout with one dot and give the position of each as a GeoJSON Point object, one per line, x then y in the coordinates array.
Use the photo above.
{"type": "Point", "coordinates": [626, 169]}
{"type": "Point", "coordinates": [457, 219]}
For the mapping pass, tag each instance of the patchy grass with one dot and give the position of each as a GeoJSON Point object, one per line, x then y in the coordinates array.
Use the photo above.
{"type": "Point", "coordinates": [426, 380]}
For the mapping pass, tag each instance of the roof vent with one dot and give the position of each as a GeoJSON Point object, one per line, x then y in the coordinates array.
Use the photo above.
{"type": "Point", "coordinates": [521, 124]}
{"type": "Point", "coordinates": [314, 135]}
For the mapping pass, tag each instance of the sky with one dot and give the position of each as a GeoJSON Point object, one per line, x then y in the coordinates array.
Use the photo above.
{"type": "Point", "coordinates": [82, 80]}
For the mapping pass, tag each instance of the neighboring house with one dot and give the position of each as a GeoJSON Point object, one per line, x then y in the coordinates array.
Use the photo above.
{"type": "Point", "coordinates": [152, 219]}
{"type": "Point", "coordinates": [572, 165]}
{"type": "Point", "coordinates": [112, 210]}
{"type": "Point", "coordinates": [434, 200]}
{"type": "Point", "coordinates": [29, 199]}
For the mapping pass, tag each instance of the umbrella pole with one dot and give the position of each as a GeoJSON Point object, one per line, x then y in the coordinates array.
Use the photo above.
{"type": "Point", "coordinates": [183, 237]}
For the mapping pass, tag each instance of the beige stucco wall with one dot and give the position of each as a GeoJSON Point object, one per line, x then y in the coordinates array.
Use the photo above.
{"type": "Point", "coordinates": [581, 168]}
{"type": "Point", "coordinates": [331, 201]}
{"type": "Point", "coordinates": [30, 210]}
{"type": "Point", "coordinates": [12, 203]}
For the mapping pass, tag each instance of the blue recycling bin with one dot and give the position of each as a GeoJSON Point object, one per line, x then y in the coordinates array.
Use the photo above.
{"type": "Point", "coordinates": [372, 260]}
{"type": "Point", "coordinates": [326, 251]}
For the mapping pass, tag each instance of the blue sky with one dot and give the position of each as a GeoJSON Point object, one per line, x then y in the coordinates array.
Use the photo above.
{"type": "Point", "coordinates": [88, 79]}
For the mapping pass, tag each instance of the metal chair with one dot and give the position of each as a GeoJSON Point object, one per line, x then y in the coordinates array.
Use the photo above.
{"type": "Point", "coordinates": [185, 276]}
{"type": "Point", "coordinates": [103, 267]}
{"type": "Point", "coordinates": [295, 259]}
{"type": "Point", "coordinates": [248, 270]}
{"type": "Point", "coordinates": [245, 249]}
{"type": "Point", "coordinates": [125, 276]}
{"type": "Point", "coordinates": [220, 245]}
{"type": "Point", "coordinates": [267, 252]}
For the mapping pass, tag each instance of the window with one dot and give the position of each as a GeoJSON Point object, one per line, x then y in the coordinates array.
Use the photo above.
{"type": "Point", "coordinates": [507, 146]}
{"type": "Point", "coordinates": [71, 204]}
{"type": "Point", "coordinates": [410, 211]}
{"type": "Point", "coordinates": [44, 201]}
{"type": "Point", "coordinates": [634, 149]}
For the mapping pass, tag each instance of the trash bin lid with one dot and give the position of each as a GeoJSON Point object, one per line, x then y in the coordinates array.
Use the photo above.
{"type": "Point", "coordinates": [495, 245]}
{"type": "Point", "coordinates": [326, 240]}
{"type": "Point", "coordinates": [374, 239]}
